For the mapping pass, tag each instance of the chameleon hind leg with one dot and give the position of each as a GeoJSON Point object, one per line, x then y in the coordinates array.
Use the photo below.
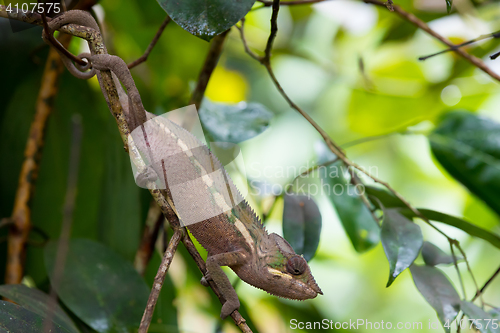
{"type": "Point", "coordinates": [216, 274]}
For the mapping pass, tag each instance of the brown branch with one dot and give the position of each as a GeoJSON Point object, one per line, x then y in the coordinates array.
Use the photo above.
{"type": "Point", "coordinates": [96, 45]}
{"type": "Point", "coordinates": [274, 31]}
{"type": "Point", "coordinates": [21, 214]}
{"type": "Point", "coordinates": [422, 25]}
{"type": "Point", "coordinates": [69, 207]}
{"type": "Point", "coordinates": [268, 3]}
{"type": "Point", "coordinates": [334, 148]}
{"type": "Point", "coordinates": [159, 279]}
{"type": "Point", "coordinates": [237, 317]}
{"type": "Point", "coordinates": [208, 67]}
{"type": "Point", "coordinates": [145, 251]}
{"type": "Point", "coordinates": [486, 284]}
{"type": "Point", "coordinates": [144, 57]}
{"type": "Point", "coordinates": [245, 44]}
{"type": "Point", "coordinates": [471, 41]}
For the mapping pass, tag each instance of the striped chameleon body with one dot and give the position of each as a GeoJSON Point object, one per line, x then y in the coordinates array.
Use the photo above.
{"type": "Point", "coordinates": [200, 191]}
{"type": "Point", "coordinates": [232, 234]}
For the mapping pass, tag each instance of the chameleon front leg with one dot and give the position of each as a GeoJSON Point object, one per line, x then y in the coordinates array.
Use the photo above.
{"type": "Point", "coordinates": [215, 273]}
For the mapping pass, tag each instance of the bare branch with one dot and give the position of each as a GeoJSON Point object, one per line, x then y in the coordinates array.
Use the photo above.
{"type": "Point", "coordinates": [159, 279]}
{"type": "Point", "coordinates": [454, 47]}
{"type": "Point", "coordinates": [145, 250]}
{"type": "Point", "coordinates": [69, 207]}
{"type": "Point", "coordinates": [422, 25]}
{"type": "Point", "coordinates": [21, 214]}
{"type": "Point", "coordinates": [268, 3]}
{"type": "Point", "coordinates": [96, 45]}
{"type": "Point", "coordinates": [144, 57]}
{"type": "Point", "coordinates": [211, 61]}
{"type": "Point", "coordinates": [486, 284]}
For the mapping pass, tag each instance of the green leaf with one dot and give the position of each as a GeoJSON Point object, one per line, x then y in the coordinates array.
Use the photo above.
{"type": "Point", "coordinates": [359, 225]}
{"type": "Point", "coordinates": [206, 18]}
{"type": "Point", "coordinates": [37, 302]}
{"type": "Point", "coordinates": [402, 240]}
{"type": "Point", "coordinates": [459, 223]}
{"type": "Point", "coordinates": [448, 5]}
{"type": "Point", "coordinates": [301, 224]}
{"type": "Point", "coordinates": [388, 199]}
{"type": "Point", "coordinates": [468, 147]}
{"type": "Point", "coordinates": [234, 123]}
{"type": "Point", "coordinates": [433, 255]}
{"type": "Point", "coordinates": [14, 319]}
{"type": "Point", "coordinates": [99, 286]}
{"type": "Point", "coordinates": [437, 291]}
{"type": "Point", "coordinates": [355, 217]}
{"type": "Point", "coordinates": [481, 320]}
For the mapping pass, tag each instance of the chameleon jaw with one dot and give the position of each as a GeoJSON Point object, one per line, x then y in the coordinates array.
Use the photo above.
{"type": "Point", "coordinates": [307, 290]}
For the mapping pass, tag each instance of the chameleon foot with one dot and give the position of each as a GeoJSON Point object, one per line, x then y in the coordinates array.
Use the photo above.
{"type": "Point", "coordinates": [229, 307]}
{"type": "Point", "coordinates": [204, 280]}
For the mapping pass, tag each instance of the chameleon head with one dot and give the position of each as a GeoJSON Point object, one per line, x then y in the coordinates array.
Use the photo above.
{"type": "Point", "coordinates": [285, 273]}
{"type": "Point", "coordinates": [293, 279]}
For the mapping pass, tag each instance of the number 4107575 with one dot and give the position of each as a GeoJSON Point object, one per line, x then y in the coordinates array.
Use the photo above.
{"type": "Point", "coordinates": [35, 7]}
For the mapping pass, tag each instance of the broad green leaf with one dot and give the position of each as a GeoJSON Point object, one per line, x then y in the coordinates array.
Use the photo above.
{"type": "Point", "coordinates": [99, 286]}
{"type": "Point", "coordinates": [437, 291]}
{"type": "Point", "coordinates": [16, 319]}
{"type": "Point", "coordinates": [301, 224]}
{"type": "Point", "coordinates": [206, 18]}
{"type": "Point", "coordinates": [448, 5]}
{"type": "Point", "coordinates": [37, 302]}
{"type": "Point", "coordinates": [433, 255]}
{"type": "Point", "coordinates": [355, 217]}
{"type": "Point", "coordinates": [234, 123]}
{"type": "Point", "coordinates": [468, 147]}
{"type": "Point", "coordinates": [481, 320]}
{"type": "Point", "coordinates": [389, 200]}
{"type": "Point", "coordinates": [459, 223]}
{"type": "Point", "coordinates": [386, 198]}
{"type": "Point", "coordinates": [402, 240]}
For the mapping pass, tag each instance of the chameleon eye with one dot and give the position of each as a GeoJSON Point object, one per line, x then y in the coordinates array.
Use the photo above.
{"type": "Point", "coordinates": [296, 265]}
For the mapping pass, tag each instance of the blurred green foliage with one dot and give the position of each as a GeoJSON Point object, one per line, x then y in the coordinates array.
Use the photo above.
{"type": "Point", "coordinates": [353, 67]}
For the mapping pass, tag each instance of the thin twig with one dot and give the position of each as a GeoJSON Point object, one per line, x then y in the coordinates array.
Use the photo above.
{"type": "Point", "coordinates": [356, 181]}
{"type": "Point", "coordinates": [422, 25]}
{"type": "Point", "coordinates": [209, 65]}
{"type": "Point", "coordinates": [329, 142]}
{"type": "Point", "coordinates": [454, 47]}
{"type": "Point", "coordinates": [237, 317]}
{"type": "Point", "coordinates": [487, 283]}
{"type": "Point", "coordinates": [151, 45]}
{"type": "Point", "coordinates": [21, 214]}
{"type": "Point", "coordinates": [245, 44]}
{"type": "Point", "coordinates": [56, 44]}
{"type": "Point", "coordinates": [478, 291]}
{"type": "Point", "coordinates": [269, 3]}
{"type": "Point", "coordinates": [145, 250]}
{"type": "Point", "coordinates": [96, 45]}
{"type": "Point", "coordinates": [69, 206]}
{"type": "Point", "coordinates": [272, 35]}
{"type": "Point", "coordinates": [453, 255]}
{"type": "Point", "coordinates": [159, 279]}
{"type": "Point", "coordinates": [208, 68]}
